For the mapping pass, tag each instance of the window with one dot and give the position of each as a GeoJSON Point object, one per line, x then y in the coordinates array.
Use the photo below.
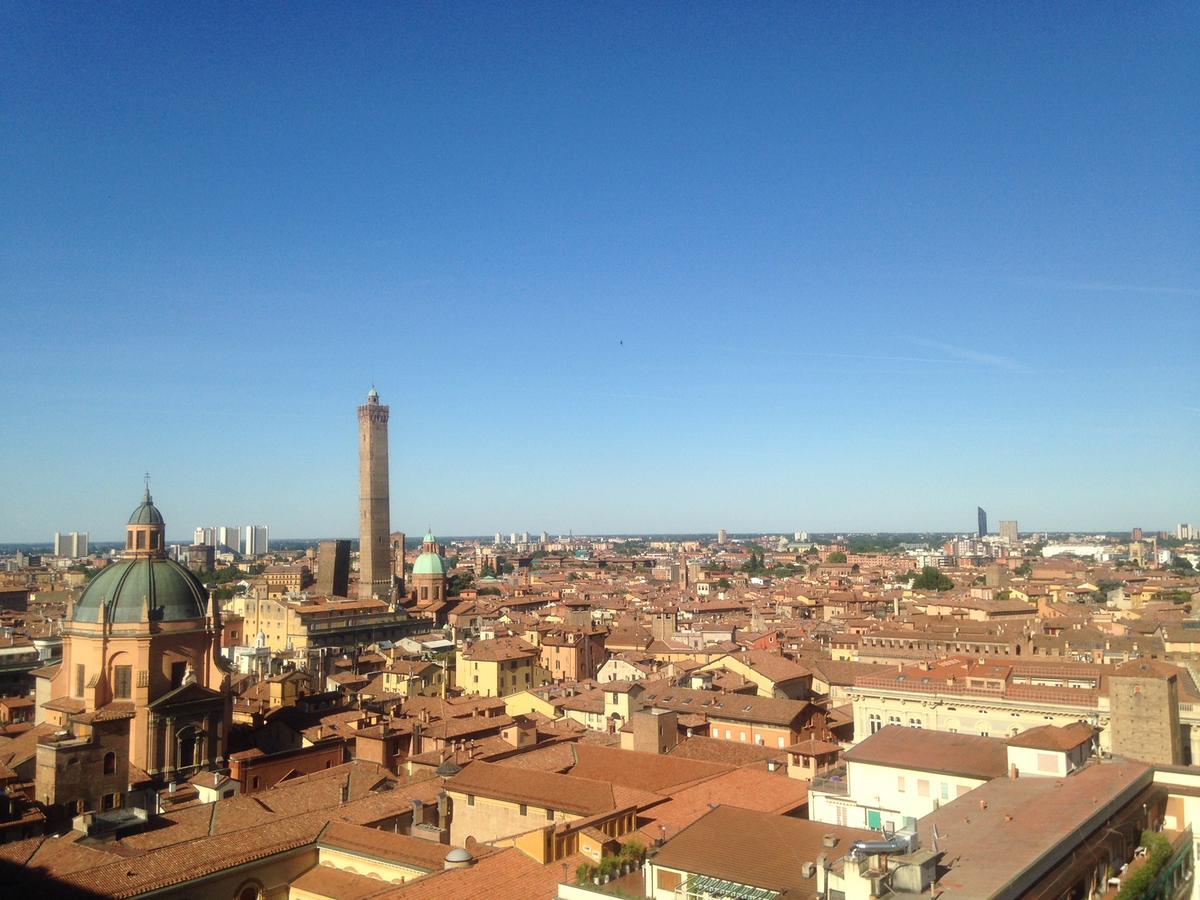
{"type": "Point", "coordinates": [470, 799]}
{"type": "Point", "coordinates": [922, 787]}
{"type": "Point", "coordinates": [914, 723]}
{"type": "Point", "coordinates": [875, 722]}
{"type": "Point", "coordinates": [79, 685]}
{"type": "Point", "coordinates": [110, 763]}
{"type": "Point", "coordinates": [549, 815]}
{"type": "Point", "coordinates": [781, 742]}
{"type": "Point", "coordinates": [178, 670]}
{"type": "Point", "coordinates": [255, 782]}
{"type": "Point", "coordinates": [900, 783]}
{"type": "Point", "coordinates": [107, 801]}
{"type": "Point", "coordinates": [742, 736]}
{"type": "Point", "coordinates": [524, 810]}
{"type": "Point", "coordinates": [123, 682]}
{"type": "Point", "coordinates": [668, 880]}
{"type": "Point", "coordinates": [894, 720]}
{"type": "Point", "coordinates": [945, 791]}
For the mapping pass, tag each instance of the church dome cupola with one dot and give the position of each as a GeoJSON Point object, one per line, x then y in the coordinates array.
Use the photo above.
{"type": "Point", "coordinates": [430, 561]}
{"type": "Point", "coordinates": [145, 586]}
{"type": "Point", "coordinates": [145, 532]}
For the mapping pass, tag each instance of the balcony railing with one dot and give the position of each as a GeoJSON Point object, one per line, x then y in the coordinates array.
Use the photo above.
{"type": "Point", "coordinates": [831, 782]}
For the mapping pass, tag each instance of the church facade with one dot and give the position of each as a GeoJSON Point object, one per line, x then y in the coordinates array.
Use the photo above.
{"type": "Point", "coordinates": [142, 693]}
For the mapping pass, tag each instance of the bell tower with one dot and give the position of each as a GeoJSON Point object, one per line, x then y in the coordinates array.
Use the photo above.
{"type": "Point", "coordinates": [374, 502]}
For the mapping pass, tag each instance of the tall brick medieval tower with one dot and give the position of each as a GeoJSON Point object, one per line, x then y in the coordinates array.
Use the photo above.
{"type": "Point", "coordinates": [374, 530]}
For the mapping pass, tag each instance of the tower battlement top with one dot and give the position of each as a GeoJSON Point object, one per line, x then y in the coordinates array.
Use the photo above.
{"type": "Point", "coordinates": [373, 413]}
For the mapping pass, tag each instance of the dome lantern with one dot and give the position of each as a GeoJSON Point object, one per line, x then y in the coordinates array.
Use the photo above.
{"type": "Point", "coordinates": [145, 532]}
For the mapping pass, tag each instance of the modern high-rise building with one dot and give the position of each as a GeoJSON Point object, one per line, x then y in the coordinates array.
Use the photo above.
{"type": "Point", "coordinates": [255, 542]}
{"type": "Point", "coordinates": [512, 538]}
{"type": "Point", "coordinates": [333, 568]}
{"type": "Point", "coordinates": [981, 514]}
{"type": "Point", "coordinates": [498, 540]}
{"type": "Point", "coordinates": [374, 529]}
{"type": "Point", "coordinates": [544, 538]}
{"type": "Point", "coordinates": [1184, 531]}
{"type": "Point", "coordinates": [71, 546]}
{"type": "Point", "coordinates": [722, 537]}
{"type": "Point", "coordinates": [1136, 534]}
{"type": "Point", "coordinates": [205, 536]}
{"type": "Point", "coordinates": [229, 538]}
{"type": "Point", "coordinates": [1009, 532]}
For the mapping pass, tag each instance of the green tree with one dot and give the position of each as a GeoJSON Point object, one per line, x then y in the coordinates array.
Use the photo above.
{"type": "Point", "coordinates": [459, 582]}
{"type": "Point", "coordinates": [837, 556]}
{"type": "Point", "coordinates": [1138, 884]}
{"type": "Point", "coordinates": [723, 584]}
{"type": "Point", "coordinates": [932, 579]}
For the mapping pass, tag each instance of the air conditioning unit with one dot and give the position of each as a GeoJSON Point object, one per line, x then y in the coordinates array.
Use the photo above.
{"type": "Point", "coordinates": [808, 870]}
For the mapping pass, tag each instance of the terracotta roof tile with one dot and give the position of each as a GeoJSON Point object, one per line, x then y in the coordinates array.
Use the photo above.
{"type": "Point", "coordinates": [546, 789]}
{"type": "Point", "coordinates": [925, 750]}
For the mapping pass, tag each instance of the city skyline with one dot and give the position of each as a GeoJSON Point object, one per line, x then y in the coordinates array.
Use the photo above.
{"type": "Point", "coordinates": [647, 270]}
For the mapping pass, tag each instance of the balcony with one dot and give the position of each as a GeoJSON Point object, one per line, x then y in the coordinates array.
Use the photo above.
{"type": "Point", "coordinates": [832, 781]}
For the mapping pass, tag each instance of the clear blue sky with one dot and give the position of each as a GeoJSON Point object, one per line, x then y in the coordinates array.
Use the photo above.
{"type": "Point", "coordinates": [646, 267]}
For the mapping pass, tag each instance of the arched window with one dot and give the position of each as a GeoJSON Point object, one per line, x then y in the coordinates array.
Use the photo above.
{"type": "Point", "coordinates": [110, 763]}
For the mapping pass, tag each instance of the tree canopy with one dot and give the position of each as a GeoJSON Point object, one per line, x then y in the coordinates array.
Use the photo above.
{"type": "Point", "coordinates": [932, 579]}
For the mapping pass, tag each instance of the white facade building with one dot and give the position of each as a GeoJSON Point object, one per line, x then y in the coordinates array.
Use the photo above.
{"type": "Point", "coordinates": [71, 546]}
{"type": "Point", "coordinates": [229, 536]}
{"type": "Point", "coordinates": [255, 543]}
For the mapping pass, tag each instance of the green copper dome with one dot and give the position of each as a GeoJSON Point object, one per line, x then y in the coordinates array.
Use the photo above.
{"type": "Point", "coordinates": [147, 513]}
{"type": "Point", "coordinates": [174, 593]}
{"type": "Point", "coordinates": [429, 562]}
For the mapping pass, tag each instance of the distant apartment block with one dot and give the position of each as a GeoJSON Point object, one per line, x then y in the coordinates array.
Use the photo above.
{"type": "Point", "coordinates": [71, 546]}
{"type": "Point", "coordinates": [229, 538]}
{"type": "Point", "coordinates": [256, 543]}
